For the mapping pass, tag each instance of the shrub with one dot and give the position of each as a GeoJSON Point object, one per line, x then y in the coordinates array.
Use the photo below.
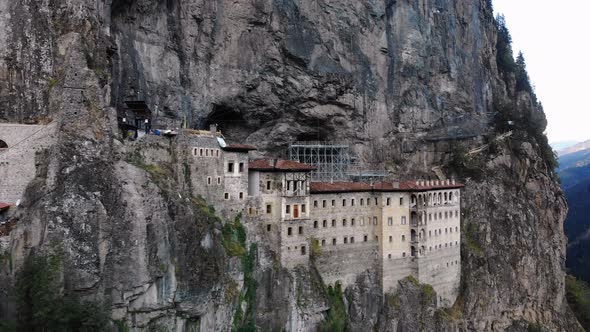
{"type": "Point", "coordinates": [337, 320]}
{"type": "Point", "coordinates": [578, 297]}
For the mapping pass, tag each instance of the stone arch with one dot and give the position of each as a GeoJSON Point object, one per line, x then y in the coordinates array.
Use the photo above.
{"type": "Point", "coordinates": [413, 235]}
{"type": "Point", "coordinates": [3, 145]}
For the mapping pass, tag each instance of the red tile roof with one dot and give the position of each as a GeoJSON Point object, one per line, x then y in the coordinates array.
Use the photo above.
{"type": "Point", "coordinates": [337, 187]}
{"type": "Point", "coordinates": [4, 206]}
{"type": "Point", "coordinates": [278, 165]}
{"type": "Point", "coordinates": [238, 147]}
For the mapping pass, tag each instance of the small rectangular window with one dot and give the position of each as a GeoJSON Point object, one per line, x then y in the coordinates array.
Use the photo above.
{"type": "Point", "coordinates": [390, 238]}
{"type": "Point", "coordinates": [302, 208]}
{"type": "Point", "coordinates": [344, 202]}
{"type": "Point", "coordinates": [352, 239]}
{"type": "Point", "coordinates": [200, 152]}
{"type": "Point", "coordinates": [352, 222]}
{"type": "Point", "coordinates": [352, 202]}
{"type": "Point", "coordinates": [268, 228]}
{"type": "Point", "coordinates": [388, 201]}
{"type": "Point", "coordinates": [206, 152]}
{"type": "Point", "coordinates": [325, 223]}
{"type": "Point", "coordinates": [365, 238]}
{"type": "Point", "coordinates": [230, 167]}
{"type": "Point", "coordinates": [324, 203]}
{"type": "Point", "coordinates": [401, 202]}
{"type": "Point", "coordinates": [268, 208]}
{"type": "Point", "coordinates": [345, 240]}
{"type": "Point", "coordinates": [300, 230]}
{"type": "Point", "coordinates": [302, 250]}
{"type": "Point", "coordinates": [267, 185]}
{"type": "Point", "coordinates": [362, 201]}
{"type": "Point", "coordinates": [376, 201]}
{"type": "Point", "coordinates": [289, 231]}
{"type": "Point", "coordinates": [323, 242]}
{"type": "Point", "coordinates": [334, 241]}
{"type": "Point", "coordinates": [219, 180]}
{"type": "Point", "coordinates": [287, 209]}
{"type": "Point", "coordinates": [208, 180]}
{"type": "Point", "coordinates": [344, 222]}
{"type": "Point", "coordinates": [226, 195]}
{"type": "Point", "coordinates": [217, 153]}
{"type": "Point", "coordinates": [368, 201]}
{"type": "Point", "coordinates": [333, 202]}
{"type": "Point", "coordinates": [241, 167]}
{"type": "Point", "coordinates": [403, 220]}
{"type": "Point", "coordinates": [374, 220]}
{"type": "Point", "coordinates": [390, 221]}
{"type": "Point", "coordinates": [241, 195]}
{"type": "Point", "coordinates": [315, 204]}
{"type": "Point", "coordinates": [333, 222]}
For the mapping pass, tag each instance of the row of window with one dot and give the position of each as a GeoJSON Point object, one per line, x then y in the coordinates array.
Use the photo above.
{"type": "Point", "coordinates": [345, 222]}
{"type": "Point", "coordinates": [203, 152]}
{"type": "Point", "coordinates": [353, 201]}
{"type": "Point", "coordinates": [210, 180]}
{"type": "Point", "coordinates": [231, 167]}
{"type": "Point", "coordinates": [447, 215]}
{"type": "Point", "coordinates": [227, 196]}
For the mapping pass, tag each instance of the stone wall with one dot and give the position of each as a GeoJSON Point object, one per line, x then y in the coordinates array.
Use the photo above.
{"type": "Point", "coordinates": [17, 163]}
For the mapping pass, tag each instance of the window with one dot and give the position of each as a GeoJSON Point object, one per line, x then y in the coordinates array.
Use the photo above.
{"type": "Point", "coordinates": [456, 213]}
{"type": "Point", "coordinates": [390, 221]}
{"type": "Point", "coordinates": [287, 209]}
{"type": "Point", "coordinates": [446, 215]}
{"type": "Point", "coordinates": [268, 208]}
{"type": "Point", "coordinates": [389, 256]}
{"type": "Point", "coordinates": [377, 238]}
{"type": "Point", "coordinates": [267, 185]}
{"type": "Point", "coordinates": [295, 211]}
{"type": "Point", "coordinates": [200, 152]}
{"type": "Point", "coordinates": [300, 230]}
{"type": "Point", "coordinates": [226, 195]}
{"type": "Point", "coordinates": [435, 216]}
{"type": "Point", "coordinates": [388, 202]}
{"type": "Point", "coordinates": [315, 204]}
{"type": "Point", "coordinates": [241, 195]}
{"type": "Point", "coordinates": [343, 222]}
{"type": "Point", "coordinates": [208, 180]}
{"type": "Point", "coordinates": [403, 238]}
{"type": "Point", "coordinates": [206, 152]}
{"type": "Point", "coordinates": [345, 240]}
{"type": "Point", "coordinates": [374, 220]}
{"type": "Point", "coordinates": [344, 202]}
{"type": "Point", "coordinates": [323, 242]}
{"type": "Point", "coordinates": [430, 217]}
{"type": "Point", "coordinates": [365, 238]}
{"type": "Point", "coordinates": [456, 229]}
{"type": "Point", "coordinates": [230, 167]}
{"type": "Point", "coordinates": [333, 202]}
{"type": "Point", "coordinates": [315, 224]}
{"type": "Point", "coordinates": [324, 203]}
{"type": "Point", "coordinates": [334, 241]}
{"type": "Point", "coordinates": [368, 201]}
{"type": "Point", "coordinates": [302, 250]}
{"type": "Point", "coordinates": [217, 153]}
{"type": "Point", "coordinates": [219, 180]}
{"type": "Point", "coordinates": [268, 228]}
{"type": "Point", "coordinates": [289, 231]}
{"type": "Point", "coordinates": [403, 220]}
{"type": "Point", "coordinates": [241, 168]}
{"type": "Point", "coordinates": [352, 239]}
{"type": "Point", "coordinates": [302, 208]}
{"type": "Point", "coordinates": [390, 238]}
{"type": "Point", "coordinates": [325, 223]}
{"type": "Point", "coordinates": [333, 222]}
{"type": "Point", "coordinates": [403, 254]}
{"type": "Point", "coordinates": [352, 202]}
{"type": "Point", "coordinates": [376, 201]}
{"type": "Point", "coordinates": [352, 222]}
{"type": "Point", "coordinates": [401, 202]}
{"type": "Point", "coordinates": [429, 233]}
{"type": "Point", "coordinates": [362, 201]}
{"type": "Point", "coordinates": [362, 221]}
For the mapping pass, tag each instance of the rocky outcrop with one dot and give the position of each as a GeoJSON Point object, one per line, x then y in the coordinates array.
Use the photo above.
{"type": "Point", "coordinates": [409, 84]}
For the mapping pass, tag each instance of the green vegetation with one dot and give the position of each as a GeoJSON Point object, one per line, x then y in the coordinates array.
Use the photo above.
{"type": "Point", "coordinates": [504, 56]}
{"type": "Point", "coordinates": [464, 165]}
{"type": "Point", "coordinates": [42, 306]}
{"type": "Point", "coordinates": [413, 280]}
{"type": "Point", "coordinates": [337, 320]}
{"type": "Point", "coordinates": [469, 230]}
{"type": "Point", "coordinates": [535, 327]}
{"type": "Point", "coordinates": [52, 83]}
{"type": "Point", "coordinates": [234, 238]}
{"type": "Point", "coordinates": [578, 297]}
{"type": "Point", "coordinates": [428, 293]}
{"type": "Point", "coordinates": [316, 249]}
{"type": "Point", "coordinates": [393, 300]}
{"type": "Point", "coordinates": [121, 326]}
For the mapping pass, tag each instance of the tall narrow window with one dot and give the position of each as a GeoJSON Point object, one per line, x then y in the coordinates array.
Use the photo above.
{"type": "Point", "coordinates": [333, 202]}
{"type": "Point", "coordinates": [288, 209]}
{"type": "Point", "coordinates": [267, 185]}
{"type": "Point", "coordinates": [388, 201]}
{"type": "Point", "coordinates": [241, 195]}
{"type": "Point", "coordinates": [376, 201]}
{"type": "Point", "coordinates": [390, 221]}
{"type": "Point", "coordinates": [352, 202]}
{"type": "Point", "coordinates": [315, 204]}
{"type": "Point", "coordinates": [208, 180]}
{"type": "Point", "coordinates": [315, 224]}
{"type": "Point", "coordinates": [302, 250]}
{"type": "Point", "coordinates": [241, 167]}
{"type": "Point", "coordinates": [300, 230]}
{"type": "Point", "coordinates": [344, 222]}
{"type": "Point", "coordinates": [268, 228]}
{"type": "Point", "coordinates": [325, 223]}
{"type": "Point", "coordinates": [352, 222]}
{"type": "Point", "coordinates": [323, 242]}
{"type": "Point", "coordinates": [324, 203]}
{"type": "Point", "coordinates": [352, 239]}
{"type": "Point", "coordinates": [289, 231]}
{"type": "Point", "coordinates": [344, 202]}
{"type": "Point", "coordinates": [401, 201]}
{"type": "Point", "coordinates": [226, 195]}
{"type": "Point", "coordinates": [268, 208]}
{"type": "Point", "coordinates": [302, 208]}
{"type": "Point", "coordinates": [333, 222]}
{"type": "Point", "coordinates": [334, 241]}
{"type": "Point", "coordinates": [362, 201]}
{"type": "Point", "coordinates": [295, 211]}
{"type": "Point", "coordinates": [390, 238]}
{"type": "Point", "coordinates": [230, 167]}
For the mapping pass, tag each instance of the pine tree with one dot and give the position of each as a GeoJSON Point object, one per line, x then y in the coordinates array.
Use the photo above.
{"type": "Point", "coordinates": [504, 56]}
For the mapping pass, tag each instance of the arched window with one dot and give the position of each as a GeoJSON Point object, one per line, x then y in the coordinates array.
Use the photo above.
{"type": "Point", "coordinates": [3, 145]}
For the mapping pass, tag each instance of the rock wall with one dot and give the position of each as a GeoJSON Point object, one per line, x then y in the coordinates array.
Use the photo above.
{"type": "Point", "coordinates": [407, 83]}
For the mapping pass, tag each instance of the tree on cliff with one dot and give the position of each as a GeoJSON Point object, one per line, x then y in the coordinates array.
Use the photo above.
{"type": "Point", "coordinates": [504, 56]}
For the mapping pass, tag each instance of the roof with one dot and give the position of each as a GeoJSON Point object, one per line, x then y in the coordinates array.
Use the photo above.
{"type": "Point", "coordinates": [278, 165]}
{"type": "Point", "coordinates": [238, 147]}
{"type": "Point", "coordinates": [4, 206]}
{"type": "Point", "coordinates": [412, 186]}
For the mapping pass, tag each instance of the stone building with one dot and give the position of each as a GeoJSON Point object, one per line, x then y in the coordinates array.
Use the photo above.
{"type": "Point", "coordinates": [395, 228]}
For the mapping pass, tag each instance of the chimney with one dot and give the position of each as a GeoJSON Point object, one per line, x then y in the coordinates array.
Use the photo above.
{"type": "Point", "coordinates": [213, 129]}
{"type": "Point", "coordinates": [453, 181]}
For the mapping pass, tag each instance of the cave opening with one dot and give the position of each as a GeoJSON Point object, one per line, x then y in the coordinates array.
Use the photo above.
{"type": "Point", "coordinates": [229, 121]}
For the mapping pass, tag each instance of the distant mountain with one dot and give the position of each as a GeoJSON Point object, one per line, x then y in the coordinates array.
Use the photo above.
{"type": "Point", "coordinates": [574, 171]}
{"type": "Point", "coordinates": [557, 146]}
{"type": "Point", "coordinates": [572, 148]}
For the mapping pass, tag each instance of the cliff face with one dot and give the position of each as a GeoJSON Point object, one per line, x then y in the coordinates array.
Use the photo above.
{"type": "Point", "coordinates": [407, 83]}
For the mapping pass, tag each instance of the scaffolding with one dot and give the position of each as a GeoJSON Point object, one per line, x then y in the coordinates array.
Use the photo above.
{"type": "Point", "coordinates": [331, 159]}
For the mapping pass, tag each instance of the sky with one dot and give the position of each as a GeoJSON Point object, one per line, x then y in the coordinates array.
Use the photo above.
{"type": "Point", "coordinates": [554, 37]}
